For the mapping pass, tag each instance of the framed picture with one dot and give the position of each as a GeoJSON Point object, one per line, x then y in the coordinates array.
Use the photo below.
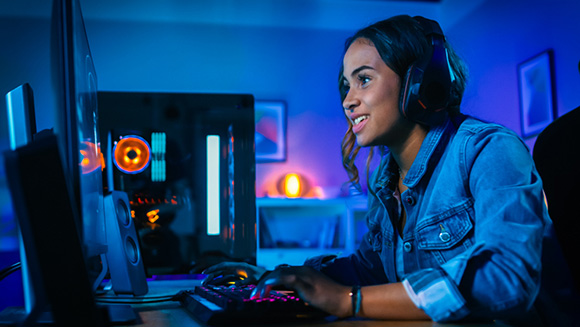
{"type": "Point", "coordinates": [536, 88]}
{"type": "Point", "coordinates": [270, 118]}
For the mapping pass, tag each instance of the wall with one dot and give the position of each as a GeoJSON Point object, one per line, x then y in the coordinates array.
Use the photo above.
{"type": "Point", "coordinates": [498, 35]}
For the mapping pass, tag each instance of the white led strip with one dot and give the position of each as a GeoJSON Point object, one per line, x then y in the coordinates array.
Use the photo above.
{"type": "Point", "coordinates": [213, 184]}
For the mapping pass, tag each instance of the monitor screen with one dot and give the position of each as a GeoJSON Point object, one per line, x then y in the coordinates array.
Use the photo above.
{"type": "Point", "coordinates": [76, 126]}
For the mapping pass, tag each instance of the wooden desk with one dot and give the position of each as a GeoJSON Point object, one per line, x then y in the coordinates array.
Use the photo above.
{"type": "Point", "coordinates": [169, 314]}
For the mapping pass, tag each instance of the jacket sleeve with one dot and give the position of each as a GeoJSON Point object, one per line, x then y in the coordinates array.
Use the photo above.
{"type": "Point", "coordinates": [499, 276]}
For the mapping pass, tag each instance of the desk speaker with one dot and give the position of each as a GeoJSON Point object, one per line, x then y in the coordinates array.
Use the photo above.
{"type": "Point", "coordinates": [123, 254]}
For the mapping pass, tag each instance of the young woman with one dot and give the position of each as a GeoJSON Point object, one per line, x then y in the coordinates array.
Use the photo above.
{"type": "Point", "coordinates": [456, 211]}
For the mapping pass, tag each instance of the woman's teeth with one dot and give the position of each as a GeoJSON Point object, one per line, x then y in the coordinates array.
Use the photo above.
{"type": "Point", "coordinates": [359, 119]}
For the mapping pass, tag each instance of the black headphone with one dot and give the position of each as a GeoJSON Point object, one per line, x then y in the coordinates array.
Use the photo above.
{"type": "Point", "coordinates": [426, 89]}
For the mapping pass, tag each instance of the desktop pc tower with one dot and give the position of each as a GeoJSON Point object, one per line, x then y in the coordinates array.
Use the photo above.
{"type": "Point", "coordinates": [186, 162]}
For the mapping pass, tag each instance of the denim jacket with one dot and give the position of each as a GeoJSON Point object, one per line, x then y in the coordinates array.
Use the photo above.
{"type": "Point", "coordinates": [475, 225]}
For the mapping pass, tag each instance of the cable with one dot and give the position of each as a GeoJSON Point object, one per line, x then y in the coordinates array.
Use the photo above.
{"type": "Point", "coordinates": [9, 270]}
{"type": "Point", "coordinates": [133, 301]}
{"type": "Point", "coordinates": [138, 300]}
{"type": "Point", "coordinates": [136, 297]}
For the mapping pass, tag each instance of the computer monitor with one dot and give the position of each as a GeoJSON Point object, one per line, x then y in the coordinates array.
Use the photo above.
{"type": "Point", "coordinates": [76, 126]}
{"type": "Point", "coordinates": [21, 130]}
{"type": "Point", "coordinates": [56, 184]}
{"type": "Point", "coordinates": [56, 265]}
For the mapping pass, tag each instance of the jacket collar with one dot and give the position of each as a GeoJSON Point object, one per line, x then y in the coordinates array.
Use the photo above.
{"type": "Point", "coordinates": [388, 169]}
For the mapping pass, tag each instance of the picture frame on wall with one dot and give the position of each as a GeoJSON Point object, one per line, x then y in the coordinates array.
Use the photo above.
{"type": "Point", "coordinates": [536, 91]}
{"type": "Point", "coordinates": [270, 120]}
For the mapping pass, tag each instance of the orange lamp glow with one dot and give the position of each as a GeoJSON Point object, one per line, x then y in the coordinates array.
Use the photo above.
{"type": "Point", "coordinates": [292, 185]}
{"type": "Point", "coordinates": [132, 154]}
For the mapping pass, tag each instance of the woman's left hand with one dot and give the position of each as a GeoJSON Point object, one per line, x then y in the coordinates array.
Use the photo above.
{"type": "Point", "coordinates": [312, 287]}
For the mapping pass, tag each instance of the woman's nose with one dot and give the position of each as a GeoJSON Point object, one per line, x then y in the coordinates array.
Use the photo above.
{"type": "Point", "coordinates": [350, 102]}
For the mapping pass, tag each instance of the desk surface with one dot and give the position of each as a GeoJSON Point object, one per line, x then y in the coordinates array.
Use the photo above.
{"type": "Point", "coordinates": [168, 314]}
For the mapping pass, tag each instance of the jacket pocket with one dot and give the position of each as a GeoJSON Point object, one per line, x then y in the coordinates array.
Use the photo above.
{"type": "Point", "coordinates": [445, 237]}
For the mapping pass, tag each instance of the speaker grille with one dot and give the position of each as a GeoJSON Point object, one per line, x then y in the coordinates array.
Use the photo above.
{"type": "Point", "coordinates": [123, 213]}
{"type": "Point", "coordinates": [131, 251]}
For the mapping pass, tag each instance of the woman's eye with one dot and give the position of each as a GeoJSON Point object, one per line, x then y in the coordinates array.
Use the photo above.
{"type": "Point", "coordinates": [364, 79]}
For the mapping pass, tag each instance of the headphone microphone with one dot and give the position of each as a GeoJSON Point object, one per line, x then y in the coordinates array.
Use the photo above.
{"type": "Point", "coordinates": [426, 88]}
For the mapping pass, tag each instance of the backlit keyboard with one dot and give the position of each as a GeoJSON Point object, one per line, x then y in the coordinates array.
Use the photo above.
{"type": "Point", "coordinates": [217, 305]}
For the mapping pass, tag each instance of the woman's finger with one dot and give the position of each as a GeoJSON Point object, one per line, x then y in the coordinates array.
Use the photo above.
{"type": "Point", "coordinates": [217, 267]}
{"type": "Point", "coordinates": [280, 277]}
{"type": "Point", "coordinates": [209, 278]}
{"type": "Point", "coordinates": [260, 292]}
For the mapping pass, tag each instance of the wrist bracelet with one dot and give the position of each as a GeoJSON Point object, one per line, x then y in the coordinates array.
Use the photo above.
{"type": "Point", "coordinates": [355, 299]}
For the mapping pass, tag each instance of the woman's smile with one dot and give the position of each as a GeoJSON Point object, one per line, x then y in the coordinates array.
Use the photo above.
{"type": "Point", "coordinates": [359, 123]}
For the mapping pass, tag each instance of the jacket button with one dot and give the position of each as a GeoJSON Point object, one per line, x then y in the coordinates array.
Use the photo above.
{"type": "Point", "coordinates": [444, 236]}
{"type": "Point", "coordinates": [410, 200]}
{"type": "Point", "coordinates": [407, 246]}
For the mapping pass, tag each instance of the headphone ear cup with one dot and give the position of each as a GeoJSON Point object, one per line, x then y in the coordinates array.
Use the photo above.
{"type": "Point", "coordinates": [409, 100]}
{"type": "Point", "coordinates": [423, 99]}
{"type": "Point", "coordinates": [435, 94]}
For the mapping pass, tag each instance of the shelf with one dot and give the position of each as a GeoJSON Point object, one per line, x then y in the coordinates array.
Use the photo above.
{"type": "Point", "coordinates": [293, 230]}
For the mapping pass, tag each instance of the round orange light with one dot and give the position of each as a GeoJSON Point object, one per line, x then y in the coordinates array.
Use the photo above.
{"type": "Point", "coordinates": [132, 154]}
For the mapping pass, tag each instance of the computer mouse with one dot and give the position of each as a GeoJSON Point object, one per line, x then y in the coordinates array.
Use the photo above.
{"type": "Point", "coordinates": [225, 280]}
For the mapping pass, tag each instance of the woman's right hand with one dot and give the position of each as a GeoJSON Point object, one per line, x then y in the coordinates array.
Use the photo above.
{"type": "Point", "coordinates": [312, 286]}
{"type": "Point", "coordinates": [240, 272]}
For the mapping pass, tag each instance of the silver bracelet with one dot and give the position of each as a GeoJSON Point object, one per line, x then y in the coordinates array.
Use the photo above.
{"type": "Point", "coordinates": [355, 299]}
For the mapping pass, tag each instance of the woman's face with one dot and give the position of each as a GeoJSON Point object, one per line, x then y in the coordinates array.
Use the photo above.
{"type": "Point", "coordinates": [372, 100]}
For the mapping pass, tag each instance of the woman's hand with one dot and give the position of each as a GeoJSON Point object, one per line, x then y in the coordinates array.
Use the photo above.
{"type": "Point", "coordinates": [312, 286]}
{"type": "Point", "coordinates": [240, 272]}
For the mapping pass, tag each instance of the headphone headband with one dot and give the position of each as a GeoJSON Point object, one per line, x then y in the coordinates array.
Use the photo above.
{"type": "Point", "coordinates": [429, 26]}
{"type": "Point", "coordinates": [426, 89]}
